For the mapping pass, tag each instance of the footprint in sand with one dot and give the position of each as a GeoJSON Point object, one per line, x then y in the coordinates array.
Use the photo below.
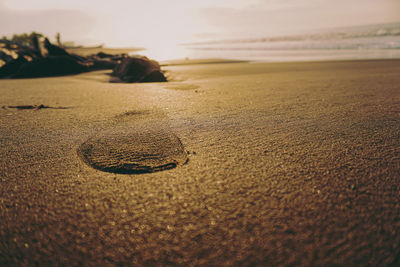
{"type": "Point", "coordinates": [134, 144]}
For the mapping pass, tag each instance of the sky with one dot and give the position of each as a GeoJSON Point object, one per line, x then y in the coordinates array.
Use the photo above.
{"type": "Point", "coordinates": [161, 23]}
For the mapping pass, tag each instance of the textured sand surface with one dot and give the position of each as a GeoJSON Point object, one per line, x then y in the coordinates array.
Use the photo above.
{"type": "Point", "coordinates": [290, 164]}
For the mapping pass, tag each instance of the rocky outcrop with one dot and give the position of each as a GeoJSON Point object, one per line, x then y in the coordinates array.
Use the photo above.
{"type": "Point", "coordinates": [49, 66]}
{"type": "Point", "coordinates": [12, 67]}
{"type": "Point", "coordinates": [138, 69]}
{"type": "Point", "coordinates": [54, 50]}
{"type": "Point", "coordinates": [28, 62]}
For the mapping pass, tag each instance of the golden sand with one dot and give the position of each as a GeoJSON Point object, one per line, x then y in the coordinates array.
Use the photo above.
{"type": "Point", "coordinates": [289, 164]}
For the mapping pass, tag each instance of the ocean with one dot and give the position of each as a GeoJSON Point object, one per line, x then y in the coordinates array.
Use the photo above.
{"type": "Point", "coordinates": [381, 41]}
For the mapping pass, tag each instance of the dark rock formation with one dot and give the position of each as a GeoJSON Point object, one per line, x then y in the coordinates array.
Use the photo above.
{"type": "Point", "coordinates": [54, 50]}
{"type": "Point", "coordinates": [101, 64]}
{"type": "Point", "coordinates": [10, 51]}
{"type": "Point", "coordinates": [49, 66]}
{"type": "Point", "coordinates": [138, 69]}
{"type": "Point", "coordinates": [36, 46]}
{"type": "Point", "coordinates": [28, 62]}
{"type": "Point", "coordinates": [12, 67]}
{"type": "Point", "coordinates": [5, 57]}
{"type": "Point", "coordinates": [104, 55]}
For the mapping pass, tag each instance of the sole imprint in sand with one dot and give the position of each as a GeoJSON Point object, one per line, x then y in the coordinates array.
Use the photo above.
{"type": "Point", "coordinates": [134, 147]}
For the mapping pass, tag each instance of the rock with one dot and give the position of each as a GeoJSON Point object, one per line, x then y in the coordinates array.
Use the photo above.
{"type": "Point", "coordinates": [154, 76]}
{"type": "Point", "coordinates": [138, 69]}
{"type": "Point", "coordinates": [104, 55]}
{"type": "Point", "coordinates": [35, 43]}
{"type": "Point", "coordinates": [5, 57]}
{"type": "Point", "coordinates": [54, 50]}
{"type": "Point", "coordinates": [11, 50]}
{"type": "Point", "coordinates": [100, 64]}
{"type": "Point", "coordinates": [12, 67]}
{"type": "Point", "coordinates": [49, 66]}
{"type": "Point", "coordinates": [21, 61]}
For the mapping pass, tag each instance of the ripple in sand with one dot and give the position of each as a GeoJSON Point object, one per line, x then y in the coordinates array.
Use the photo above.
{"type": "Point", "coordinates": [134, 149]}
{"type": "Point", "coordinates": [34, 107]}
{"type": "Point", "coordinates": [182, 86]}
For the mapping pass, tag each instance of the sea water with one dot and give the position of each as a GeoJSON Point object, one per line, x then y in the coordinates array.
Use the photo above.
{"type": "Point", "coordinates": [363, 42]}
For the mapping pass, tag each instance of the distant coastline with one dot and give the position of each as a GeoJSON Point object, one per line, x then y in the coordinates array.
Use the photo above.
{"type": "Point", "coordinates": [89, 50]}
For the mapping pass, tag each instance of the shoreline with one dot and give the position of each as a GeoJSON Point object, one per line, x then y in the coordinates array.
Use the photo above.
{"type": "Point", "coordinates": [310, 55]}
{"type": "Point", "coordinates": [283, 55]}
{"type": "Point", "coordinates": [178, 62]}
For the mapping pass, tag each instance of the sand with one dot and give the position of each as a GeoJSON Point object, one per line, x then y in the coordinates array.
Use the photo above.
{"type": "Point", "coordinates": [289, 164]}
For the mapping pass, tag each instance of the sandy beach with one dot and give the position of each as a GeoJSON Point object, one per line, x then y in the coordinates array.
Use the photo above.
{"type": "Point", "coordinates": [289, 164]}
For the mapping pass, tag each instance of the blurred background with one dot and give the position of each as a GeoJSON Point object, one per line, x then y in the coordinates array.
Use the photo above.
{"type": "Point", "coordinates": [268, 30]}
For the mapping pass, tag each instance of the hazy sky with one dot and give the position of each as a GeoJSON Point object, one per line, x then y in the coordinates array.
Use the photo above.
{"type": "Point", "coordinates": [155, 22]}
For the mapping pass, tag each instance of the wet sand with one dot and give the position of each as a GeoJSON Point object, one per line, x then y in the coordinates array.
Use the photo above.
{"type": "Point", "coordinates": [289, 164]}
